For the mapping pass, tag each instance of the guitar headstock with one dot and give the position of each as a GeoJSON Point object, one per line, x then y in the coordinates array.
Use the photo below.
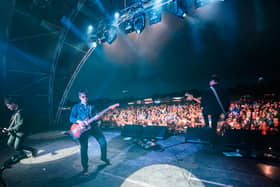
{"type": "Point", "coordinates": [189, 96]}
{"type": "Point", "coordinates": [114, 106]}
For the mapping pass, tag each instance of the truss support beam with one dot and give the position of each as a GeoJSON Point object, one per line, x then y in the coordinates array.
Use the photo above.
{"type": "Point", "coordinates": [70, 83]}
{"type": "Point", "coordinates": [57, 53]}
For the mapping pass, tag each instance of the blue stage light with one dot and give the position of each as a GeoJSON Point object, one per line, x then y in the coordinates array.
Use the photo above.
{"type": "Point", "coordinates": [154, 16]}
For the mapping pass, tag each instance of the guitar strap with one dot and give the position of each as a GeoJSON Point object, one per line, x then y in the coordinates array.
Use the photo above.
{"type": "Point", "coordinates": [13, 121]}
{"type": "Point", "coordinates": [218, 99]}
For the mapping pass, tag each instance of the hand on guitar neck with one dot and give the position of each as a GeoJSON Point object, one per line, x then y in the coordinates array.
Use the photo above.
{"type": "Point", "coordinates": [192, 98]}
{"type": "Point", "coordinates": [83, 125]}
{"type": "Point", "coordinates": [87, 121]}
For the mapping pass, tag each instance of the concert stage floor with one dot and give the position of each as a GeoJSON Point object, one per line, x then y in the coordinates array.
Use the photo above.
{"type": "Point", "coordinates": [179, 164]}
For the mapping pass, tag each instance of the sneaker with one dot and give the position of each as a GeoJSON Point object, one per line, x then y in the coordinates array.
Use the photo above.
{"type": "Point", "coordinates": [22, 156]}
{"type": "Point", "coordinates": [107, 162]}
{"type": "Point", "coordinates": [2, 169]}
{"type": "Point", "coordinates": [34, 152]}
{"type": "Point", "coordinates": [85, 172]}
{"type": "Point", "coordinates": [14, 158]}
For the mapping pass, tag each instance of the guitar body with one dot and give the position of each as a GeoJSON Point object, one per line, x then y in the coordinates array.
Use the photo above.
{"type": "Point", "coordinates": [76, 130]}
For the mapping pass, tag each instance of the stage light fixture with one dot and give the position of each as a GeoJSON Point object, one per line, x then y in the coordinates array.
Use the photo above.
{"type": "Point", "coordinates": [89, 29]}
{"type": "Point", "coordinates": [101, 36]}
{"type": "Point", "coordinates": [127, 26]}
{"type": "Point", "coordinates": [107, 34]}
{"type": "Point", "coordinates": [92, 38]}
{"type": "Point", "coordinates": [202, 3]}
{"type": "Point", "coordinates": [178, 7]}
{"type": "Point", "coordinates": [139, 23]}
{"type": "Point", "coordinates": [93, 44]}
{"type": "Point", "coordinates": [110, 34]}
{"type": "Point", "coordinates": [181, 8]}
{"type": "Point", "coordinates": [154, 16]}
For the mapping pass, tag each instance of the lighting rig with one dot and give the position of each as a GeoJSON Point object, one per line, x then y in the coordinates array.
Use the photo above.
{"type": "Point", "coordinates": [133, 18]}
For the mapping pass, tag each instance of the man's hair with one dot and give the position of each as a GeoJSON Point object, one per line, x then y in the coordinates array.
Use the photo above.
{"type": "Point", "coordinates": [10, 100]}
{"type": "Point", "coordinates": [215, 78]}
{"type": "Point", "coordinates": [83, 91]}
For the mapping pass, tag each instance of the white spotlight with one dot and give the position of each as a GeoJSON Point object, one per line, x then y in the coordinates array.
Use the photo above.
{"type": "Point", "coordinates": [90, 27]}
{"type": "Point", "coordinates": [94, 44]}
{"type": "Point", "coordinates": [116, 15]}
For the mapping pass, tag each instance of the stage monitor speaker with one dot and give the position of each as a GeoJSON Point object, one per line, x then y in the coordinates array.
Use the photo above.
{"type": "Point", "coordinates": [132, 131]}
{"type": "Point", "coordinates": [158, 132]}
{"type": "Point", "coordinates": [199, 135]}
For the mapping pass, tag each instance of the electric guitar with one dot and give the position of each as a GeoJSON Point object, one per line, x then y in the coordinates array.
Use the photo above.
{"type": "Point", "coordinates": [76, 130]}
{"type": "Point", "coordinates": [3, 131]}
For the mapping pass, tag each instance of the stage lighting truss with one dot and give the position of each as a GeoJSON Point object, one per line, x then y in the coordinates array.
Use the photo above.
{"type": "Point", "coordinates": [133, 18]}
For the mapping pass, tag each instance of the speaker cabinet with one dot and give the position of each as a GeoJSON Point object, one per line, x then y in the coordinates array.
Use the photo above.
{"type": "Point", "coordinates": [132, 131]}
{"type": "Point", "coordinates": [158, 132]}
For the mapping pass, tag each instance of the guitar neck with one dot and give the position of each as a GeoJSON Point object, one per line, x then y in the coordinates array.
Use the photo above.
{"type": "Point", "coordinates": [98, 115]}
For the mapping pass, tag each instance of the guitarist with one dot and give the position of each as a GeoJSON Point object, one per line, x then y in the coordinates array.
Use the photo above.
{"type": "Point", "coordinates": [16, 130]}
{"type": "Point", "coordinates": [215, 100]}
{"type": "Point", "coordinates": [80, 113]}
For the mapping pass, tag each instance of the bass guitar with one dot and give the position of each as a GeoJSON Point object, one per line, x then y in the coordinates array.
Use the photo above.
{"type": "Point", "coordinates": [76, 130]}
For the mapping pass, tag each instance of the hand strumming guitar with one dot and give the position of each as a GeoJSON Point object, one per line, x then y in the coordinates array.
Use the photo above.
{"type": "Point", "coordinates": [82, 123]}
{"type": "Point", "coordinates": [5, 130]}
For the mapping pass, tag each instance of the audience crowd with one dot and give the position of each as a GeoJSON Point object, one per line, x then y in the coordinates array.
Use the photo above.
{"type": "Point", "coordinates": [244, 113]}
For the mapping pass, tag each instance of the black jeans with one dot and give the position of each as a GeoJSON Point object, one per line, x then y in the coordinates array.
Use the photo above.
{"type": "Point", "coordinates": [215, 118]}
{"type": "Point", "coordinates": [97, 133]}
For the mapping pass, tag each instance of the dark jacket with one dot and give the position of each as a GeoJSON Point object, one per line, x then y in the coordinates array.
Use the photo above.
{"type": "Point", "coordinates": [209, 102]}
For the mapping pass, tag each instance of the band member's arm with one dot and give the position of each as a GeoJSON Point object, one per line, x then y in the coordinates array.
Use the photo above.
{"type": "Point", "coordinates": [73, 115]}
{"type": "Point", "coordinates": [191, 97]}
